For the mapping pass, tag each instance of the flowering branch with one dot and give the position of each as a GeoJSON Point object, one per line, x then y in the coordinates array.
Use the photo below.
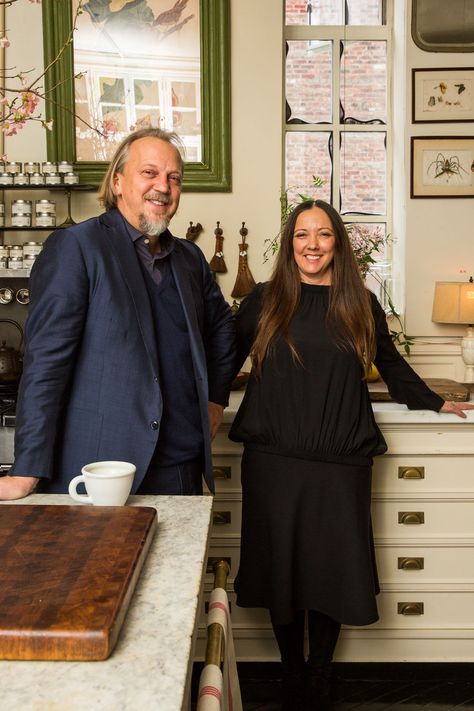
{"type": "Point", "coordinates": [20, 104]}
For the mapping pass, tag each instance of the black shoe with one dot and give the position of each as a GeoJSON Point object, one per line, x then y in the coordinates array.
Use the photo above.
{"type": "Point", "coordinates": [318, 688]}
{"type": "Point", "coordinates": [292, 688]}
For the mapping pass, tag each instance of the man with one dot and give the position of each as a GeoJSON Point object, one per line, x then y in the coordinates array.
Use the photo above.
{"type": "Point", "coordinates": [130, 344]}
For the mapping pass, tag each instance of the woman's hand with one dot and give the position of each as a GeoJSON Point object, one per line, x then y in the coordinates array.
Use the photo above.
{"type": "Point", "coordinates": [456, 408]}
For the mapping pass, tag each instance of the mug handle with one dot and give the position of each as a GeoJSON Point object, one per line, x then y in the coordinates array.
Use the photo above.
{"type": "Point", "coordinates": [81, 498]}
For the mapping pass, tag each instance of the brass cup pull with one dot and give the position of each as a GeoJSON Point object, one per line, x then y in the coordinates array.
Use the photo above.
{"type": "Point", "coordinates": [410, 608]}
{"type": "Point", "coordinates": [411, 472]}
{"type": "Point", "coordinates": [221, 518]}
{"type": "Point", "coordinates": [411, 563]}
{"type": "Point", "coordinates": [411, 517]}
{"type": "Point", "coordinates": [222, 472]}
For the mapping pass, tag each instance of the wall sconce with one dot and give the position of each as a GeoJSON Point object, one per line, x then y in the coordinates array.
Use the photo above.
{"type": "Point", "coordinates": [454, 303]}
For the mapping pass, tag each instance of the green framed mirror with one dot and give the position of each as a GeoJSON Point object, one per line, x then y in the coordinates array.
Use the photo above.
{"type": "Point", "coordinates": [209, 167]}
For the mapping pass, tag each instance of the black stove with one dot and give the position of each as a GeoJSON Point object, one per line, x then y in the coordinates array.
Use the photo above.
{"type": "Point", "coordinates": [7, 410]}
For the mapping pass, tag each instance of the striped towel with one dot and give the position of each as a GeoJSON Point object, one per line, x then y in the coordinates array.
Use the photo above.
{"type": "Point", "coordinates": [226, 692]}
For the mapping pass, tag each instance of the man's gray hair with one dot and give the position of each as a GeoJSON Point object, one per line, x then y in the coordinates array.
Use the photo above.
{"type": "Point", "coordinates": [106, 191]}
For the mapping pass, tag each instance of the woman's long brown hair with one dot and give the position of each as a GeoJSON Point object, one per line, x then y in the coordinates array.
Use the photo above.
{"type": "Point", "coordinates": [349, 314]}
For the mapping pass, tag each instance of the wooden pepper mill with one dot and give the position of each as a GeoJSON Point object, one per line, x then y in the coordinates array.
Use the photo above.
{"type": "Point", "coordinates": [245, 281]}
{"type": "Point", "coordinates": [217, 263]}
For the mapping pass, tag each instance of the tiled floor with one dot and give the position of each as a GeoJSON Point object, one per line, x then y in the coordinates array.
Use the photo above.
{"type": "Point", "coordinates": [370, 687]}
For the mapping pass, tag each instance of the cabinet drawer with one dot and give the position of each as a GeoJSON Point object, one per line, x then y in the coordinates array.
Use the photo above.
{"type": "Point", "coordinates": [226, 516]}
{"type": "Point", "coordinates": [412, 474]}
{"type": "Point", "coordinates": [439, 518]}
{"type": "Point", "coordinates": [438, 609]}
{"type": "Point", "coordinates": [226, 469]}
{"type": "Point", "coordinates": [410, 564]}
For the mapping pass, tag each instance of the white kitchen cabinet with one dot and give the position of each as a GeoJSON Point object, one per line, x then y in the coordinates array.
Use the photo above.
{"type": "Point", "coordinates": [423, 518]}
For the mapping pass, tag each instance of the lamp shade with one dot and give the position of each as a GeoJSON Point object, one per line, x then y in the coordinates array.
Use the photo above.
{"type": "Point", "coordinates": [453, 302]}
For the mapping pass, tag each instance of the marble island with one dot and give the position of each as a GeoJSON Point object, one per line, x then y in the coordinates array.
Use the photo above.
{"type": "Point", "coordinates": [150, 667]}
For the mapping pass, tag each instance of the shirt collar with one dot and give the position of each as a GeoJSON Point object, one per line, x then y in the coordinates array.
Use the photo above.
{"type": "Point", "coordinates": [167, 241]}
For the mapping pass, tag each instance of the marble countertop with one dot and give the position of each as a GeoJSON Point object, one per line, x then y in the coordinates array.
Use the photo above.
{"type": "Point", "coordinates": [385, 413]}
{"type": "Point", "coordinates": [151, 664]}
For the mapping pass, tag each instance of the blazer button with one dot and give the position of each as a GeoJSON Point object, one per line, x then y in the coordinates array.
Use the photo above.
{"type": "Point", "coordinates": [154, 425]}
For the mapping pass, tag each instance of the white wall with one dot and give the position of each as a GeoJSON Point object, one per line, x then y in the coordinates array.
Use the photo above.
{"type": "Point", "coordinates": [256, 81]}
{"type": "Point", "coordinates": [438, 241]}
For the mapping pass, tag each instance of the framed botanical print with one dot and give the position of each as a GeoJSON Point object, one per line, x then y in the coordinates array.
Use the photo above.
{"type": "Point", "coordinates": [442, 167]}
{"type": "Point", "coordinates": [443, 95]}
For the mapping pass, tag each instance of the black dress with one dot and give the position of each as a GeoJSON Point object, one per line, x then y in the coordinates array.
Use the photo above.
{"type": "Point", "coordinates": [309, 436]}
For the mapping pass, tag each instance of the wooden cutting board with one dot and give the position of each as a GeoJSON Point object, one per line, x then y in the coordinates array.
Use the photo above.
{"type": "Point", "coordinates": [447, 389]}
{"type": "Point", "coordinates": [67, 574]}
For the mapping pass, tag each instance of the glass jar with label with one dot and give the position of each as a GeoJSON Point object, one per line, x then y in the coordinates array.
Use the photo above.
{"type": "Point", "coordinates": [71, 178]}
{"type": "Point", "coordinates": [21, 179]}
{"type": "Point", "coordinates": [21, 213]}
{"type": "Point", "coordinates": [52, 179]}
{"type": "Point", "coordinates": [45, 219]}
{"type": "Point", "coordinates": [45, 206]}
{"type": "Point", "coordinates": [36, 179]}
{"type": "Point", "coordinates": [2, 214]}
{"type": "Point", "coordinates": [6, 179]}
{"type": "Point", "coordinates": [13, 167]}
{"type": "Point", "coordinates": [15, 262]}
{"type": "Point", "coordinates": [4, 252]}
{"type": "Point", "coordinates": [49, 167]}
{"type": "Point", "coordinates": [31, 167]}
{"type": "Point", "coordinates": [15, 250]}
{"type": "Point", "coordinates": [65, 166]}
{"type": "Point", "coordinates": [31, 250]}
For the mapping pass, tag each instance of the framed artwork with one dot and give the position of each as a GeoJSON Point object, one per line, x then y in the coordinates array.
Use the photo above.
{"type": "Point", "coordinates": [138, 63]}
{"type": "Point", "coordinates": [442, 167]}
{"type": "Point", "coordinates": [442, 95]}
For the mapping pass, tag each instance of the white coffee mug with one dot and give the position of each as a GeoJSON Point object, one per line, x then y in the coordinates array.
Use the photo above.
{"type": "Point", "coordinates": [107, 483]}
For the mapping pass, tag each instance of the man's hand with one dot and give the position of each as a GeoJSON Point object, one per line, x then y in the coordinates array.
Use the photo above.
{"type": "Point", "coordinates": [216, 413]}
{"type": "Point", "coordinates": [16, 487]}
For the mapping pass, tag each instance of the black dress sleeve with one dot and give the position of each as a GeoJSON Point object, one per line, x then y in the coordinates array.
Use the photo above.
{"type": "Point", "coordinates": [404, 385]}
{"type": "Point", "coordinates": [246, 322]}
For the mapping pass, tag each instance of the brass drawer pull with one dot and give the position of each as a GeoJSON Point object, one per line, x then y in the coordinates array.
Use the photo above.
{"type": "Point", "coordinates": [411, 563]}
{"type": "Point", "coordinates": [410, 608]}
{"type": "Point", "coordinates": [212, 561]}
{"type": "Point", "coordinates": [411, 517]}
{"type": "Point", "coordinates": [221, 518]}
{"type": "Point", "coordinates": [411, 472]}
{"type": "Point", "coordinates": [222, 472]}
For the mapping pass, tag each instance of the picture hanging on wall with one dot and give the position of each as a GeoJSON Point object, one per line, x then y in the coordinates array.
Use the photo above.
{"type": "Point", "coordinates": [442, 166]}
{"type": "Point", "coordinates": [443, 95]}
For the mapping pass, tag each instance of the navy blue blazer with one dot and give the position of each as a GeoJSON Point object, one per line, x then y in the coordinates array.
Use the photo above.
{"type": "Point", "coordinates": [90, 389]}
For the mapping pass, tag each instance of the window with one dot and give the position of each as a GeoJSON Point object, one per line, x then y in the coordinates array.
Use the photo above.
{"type": "Point", "coordinates": [337, 124]}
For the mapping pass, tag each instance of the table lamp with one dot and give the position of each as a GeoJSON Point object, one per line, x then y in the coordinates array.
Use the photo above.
{"type": "Point", "coordinates": [454, 303]}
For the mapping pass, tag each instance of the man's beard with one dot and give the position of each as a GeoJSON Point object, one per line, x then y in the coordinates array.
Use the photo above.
{"type": "Point", "coordinates": [153, 228]}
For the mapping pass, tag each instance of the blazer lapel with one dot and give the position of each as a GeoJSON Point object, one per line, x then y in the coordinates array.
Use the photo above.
{"type": "Point", "coordinates": [122, 247]}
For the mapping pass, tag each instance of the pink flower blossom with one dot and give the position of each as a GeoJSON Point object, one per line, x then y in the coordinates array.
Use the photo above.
{"type": "Point", "coordinates": [4, 41]}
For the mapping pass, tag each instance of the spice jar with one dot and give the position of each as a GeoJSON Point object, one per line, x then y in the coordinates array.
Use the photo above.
{"type": "Point", "coordinates": [13, 167]}
{"type": "Point", "coordinates": [6, 179]}
{"type": "Point", "coordinates": [15, 263]}
{"type": "Point", "coordinates": [21, 179]}
{"type": "Point", "coordinates": [31, 167]}
{"type": "Point", "coordinates": [36, 179]}
{"type": "Point", "coordinates": [31, 250]}
{"type": "Point", "coordinates": [71, 178]}
{"type": "Point", "coordinates": [52, 179]}
{"type": "Point", "coordinates": [49, 167]}
{"type": "Point", "coordinates": [65, 166]}
{"type": "Point", "coordinates": [45, 219]}
{"type": "Point", "coordinates": [21, 213]}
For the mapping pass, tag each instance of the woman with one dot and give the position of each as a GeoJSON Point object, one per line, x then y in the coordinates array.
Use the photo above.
{"type": "Point", "coordinates": [309, 437]}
